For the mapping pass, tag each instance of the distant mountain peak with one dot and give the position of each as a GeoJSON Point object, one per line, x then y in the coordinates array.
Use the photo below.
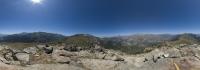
{"type": "Point", "coordinates": [86, 35]}
{"type": "Point", "coordinates": [33, 37]}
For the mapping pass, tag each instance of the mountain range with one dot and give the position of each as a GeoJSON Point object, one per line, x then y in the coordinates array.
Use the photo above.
{"type": "Point", "coordinates": [130, 44]}
{"type": "Point", "coordinates": [41, 37]}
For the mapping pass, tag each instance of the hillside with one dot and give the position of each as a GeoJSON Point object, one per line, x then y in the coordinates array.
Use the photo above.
{"type": "Point", "coordinates": [84, 40]}
{"type": "Point", "coordinates": [36, 37]}
{"type": "Point", "coordinates": [135, 44]}
{"type": "Point", "coordinates": [186, 38]}
{"type": "Point", "coordinates": [140, 39]}
{"type": "Point", "coordinates": [1, 36]}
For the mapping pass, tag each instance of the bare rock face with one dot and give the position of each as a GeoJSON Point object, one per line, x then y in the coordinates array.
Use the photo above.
{"type": "Point", "coordinates": [167, 58]}
{"type": "Point", "coordinates": [51, 67]}
{"type": "Point", "coordinates": [162, 53]}
{"type": "Point", "coordinates": [62, 56]}
{"type": "Point", "coordinates": [190, 51]}
{"type": "Point", "coordinates": [96, 64]}
{"type": "Point", "coordinates": [41, 67]}
{"type": "Point", "coordinates": [172, 53]}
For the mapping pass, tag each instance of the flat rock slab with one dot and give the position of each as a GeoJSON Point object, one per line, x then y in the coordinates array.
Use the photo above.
{"type": "Point", "coordinates": [41, 67]}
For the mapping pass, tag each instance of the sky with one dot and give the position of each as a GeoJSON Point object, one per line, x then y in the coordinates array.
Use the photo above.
{"type": "Point", "coordinates": [100, 17]}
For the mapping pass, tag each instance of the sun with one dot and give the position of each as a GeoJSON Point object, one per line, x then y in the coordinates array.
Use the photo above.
{"type": "Point", "coordinates": [36, 1]}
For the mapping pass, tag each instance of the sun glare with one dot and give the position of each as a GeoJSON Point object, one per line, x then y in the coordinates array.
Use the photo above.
{"type": "Point", "coordinates": [36, 1]}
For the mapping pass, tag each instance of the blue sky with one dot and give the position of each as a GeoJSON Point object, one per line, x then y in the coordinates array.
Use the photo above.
{"type": "Point", "coordinates": [100, 17]}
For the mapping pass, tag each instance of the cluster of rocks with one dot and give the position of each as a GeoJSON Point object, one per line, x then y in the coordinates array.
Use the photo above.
{"type": "Point", "coordinates": [166, 52]}
{"type": "Point", "coordinates": [41, 54]}
{"type": "Point", "coordinates": [70, 54]}
{"type": "Point", "coordinates": [165, 58]}
{"type": "Point", "coordinates": [13, 56]}
{"type": "Point", "coordinates": [46, 57]}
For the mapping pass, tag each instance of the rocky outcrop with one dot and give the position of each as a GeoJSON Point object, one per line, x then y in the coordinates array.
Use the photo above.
{"type": "Point", "coordinates": [165, 58]}
{"type": "Point", "coordinates": [96, 64]}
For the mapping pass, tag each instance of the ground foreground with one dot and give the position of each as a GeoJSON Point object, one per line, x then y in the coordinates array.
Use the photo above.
{"type": "Point", "coordinates": [44, 57]}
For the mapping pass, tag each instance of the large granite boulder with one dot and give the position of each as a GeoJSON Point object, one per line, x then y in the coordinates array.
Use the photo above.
{"type": "Point", "coordinates": [22, 57]}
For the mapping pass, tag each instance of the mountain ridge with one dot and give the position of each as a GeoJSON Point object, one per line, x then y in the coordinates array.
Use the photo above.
{"type": "Point", "coordinates": [138, 43]}
{"type": "Point", "coordinates": [31, 37]}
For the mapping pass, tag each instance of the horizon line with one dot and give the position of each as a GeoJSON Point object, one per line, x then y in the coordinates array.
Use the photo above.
{"type": "Point", "coordinates": [125, 34]}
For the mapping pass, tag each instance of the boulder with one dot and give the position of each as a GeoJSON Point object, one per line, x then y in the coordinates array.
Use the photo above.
{"type": "Point", "coordinates": [22, 57]}
{"type": "Point", "coordinates": [30, 50]}
{"type": "Point", "coordinates": [48, 49]}
{"type": "Point", "coordinates": [62, 56]}
{"type": "Point", "coordinates": [40, 46]}
{"type": "Point", "coordinates": [117, 58]}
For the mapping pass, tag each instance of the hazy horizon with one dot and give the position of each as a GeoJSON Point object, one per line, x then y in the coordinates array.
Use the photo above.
{"type": "Point", "coordinates": [113, 35]}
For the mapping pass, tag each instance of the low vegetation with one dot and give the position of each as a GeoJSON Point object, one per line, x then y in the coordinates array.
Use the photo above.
{"type": "Point", "coordinates": [82, 40]}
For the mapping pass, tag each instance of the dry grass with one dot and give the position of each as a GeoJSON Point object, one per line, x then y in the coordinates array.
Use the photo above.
{"type": "Point", "coordinates": [19, 46]}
